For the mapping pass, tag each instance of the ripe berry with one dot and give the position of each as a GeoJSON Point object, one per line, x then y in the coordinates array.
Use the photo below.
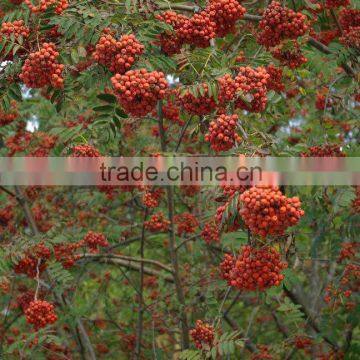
{"type": "Point", "coordinates": [326, 150]}
{"type": "Point", "coordinates": [251, 88]}
{"type": "Point", "coordinates": [94, 240]}
{"type": "Point", "coordinates": [336, 3]}
{"type": "Point", "coordinates": [210, 233]}
{"type": "Point", "coordinates": [225, 13]}
{"type": "Point", "coordinates": [41, 68]}
{"type": "Point", "coordinates": [266, 211]}
{"type": "Point", "coordinates": [33, 261]}
{"type": "Point", "coordinates": [222, 133]}
{"type": "Point", "coordinates": [118, 55]}
{"type": "Point", "coordinates": [151, 198]}
{"type": "Point", "coordinates": [8, 117]}
{"type": "Point", "coordinates": [186, 223]}
{"type": "Point", "coordinates": [16, 28]}
{"type": "Point", "coordinates": [43, 5]}
{"type": "Point", "coordinates": [139, 90]}
{"type": "Point", "coordinates": [198, 30]}
{"type": "Point", "coordinates": [171, 42]}
{"type": "Point", "coordinates": [275, 80]}
{"type": "Point", "coordinates": [348, 18]}
{"type": "Point", "coordinates": [85, 151]}
{"type": "Point", "coordinates": [254, 269]}
{"type": "Point", "coordinates": [289, 55]}
{"type": "Point", "coordinates": [157, 223]}
{"type": "Point", "coordinates": [302, 342]}
{"type": "Point", "coordinates": [40, 313]}
{"type": "Point", "coordinates": [351, 37]}
{"type": "Point", "coordinates": [203, 334]}
{"type": "Point", "coordinates": [279, 23]}
{"type": "Point", "coordinates": [197, 105]}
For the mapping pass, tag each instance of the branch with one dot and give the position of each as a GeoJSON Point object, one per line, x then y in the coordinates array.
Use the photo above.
{"type": "Point", "coordinates": [129, 259]}
{"type": "Point", "coordinates": [172, 243]}
{"type": "Point", "coordinates": [128, 264]}
{"type": "Point", "coordinates": [139, 327]}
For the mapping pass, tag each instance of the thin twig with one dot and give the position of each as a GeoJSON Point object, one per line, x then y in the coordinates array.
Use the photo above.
{"type": "Point", "coordinates": [139, 327]}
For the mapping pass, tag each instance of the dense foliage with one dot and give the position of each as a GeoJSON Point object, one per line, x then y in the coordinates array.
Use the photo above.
{"type": "Point", "coordinates": [186, 272]}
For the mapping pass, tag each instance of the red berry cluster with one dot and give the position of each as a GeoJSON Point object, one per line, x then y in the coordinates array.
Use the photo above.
{"type": "Point", "coordinates": [351, 37]}
{"type": "Point", "coordinates": [348, 251]}
{"type": "Point", "coordinates": [275, 80]}
{"type": "Point", "coordinates": [254, 269]}
{"type": "Point", "coordinates": [24, 299]}
{"type": "Point", "coordinates": [43, 5]}
{"type": "Point", "coordinates": [151, 198]}
{"type": "Point", "coordinates": [217, 19]}
{"type": "Point", "coordinates": [7, 117]}
{"type": "Point", "coordinates": [16, 28]}
{"type": "Point", "coordinates": [6, 215]}
{"type": "Point", "coordinates": [226, 267]}
{"type": "Point", "coordinates": [18, 142]}
{"type": "Point", "coordinates": [41, 144]}
{"type": "Point", "coordinates": [302, 342]}
{"type": "Point", "coordinates": [330, 4]}
{"type": "Point", "coordinates": [279, 23]}
{"type": "Point", "coordinates": [33, 261]}
{"type": "Point", "coordinates": [198, 30]}
{"type": "Point", "coordinates": [139, 90]}
{"type": "Point", "coordinates": [326, 36]}
{"type": "Point", "coordinates": [327, 150]}
{"type": "Point", "coordinates": [262, 353]}
{"type": "Point", "coordinates": [41, 68]}
{"type": "Point", "coordinates": [340, 295]}
{"type": "Point", "coordinates": [349, 18]}
{"type": "Point", "coordinates": [227, 89]}
{"type": "Point", "coordinates": [65, 253]}
{"type": "Point", "coordinates": [118, 55]}
{"type": "Point", "coordinates": [266, 211]}
{"type": "Point", "coordinates": [251, 88]}
{"type": "Point", "coordinates": [171, 112]}
{"type": "Point", "coordinates": [222, 134]}
{"type": "Point", "coordinates": [171, 42]}
{"type": "Point", "coordinates": [289, 55]}
{"type": "Point", "coordinates": [203, 334]}
{"type": "Point", "coordinates": [201, 105]}
{"type": "Point", "coordinates": [225, 13]}
{"type": "Point", "coordinates": [95, 240]}
{"type": "Point", "coordinates": [186, 223]}
{"type": "Point", "coordinates": [40, 313]}
{"type": "Point", "coordinates": [157, 223]}
{"type": "Point", "coordinates": [85, 151]}
{"type": "Point", "coordinates": [321, 101]}
{"type": "Point", "coordinates": [210, 233]}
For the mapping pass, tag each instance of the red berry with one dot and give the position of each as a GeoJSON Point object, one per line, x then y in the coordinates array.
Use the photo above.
{"type": "Point", "coordinates": [41, 68]}
{"type": "Point", "coordinates": [138, 91]}
{"type": "Point", "coordinates": [40, 313]}
{"type": "Point", "coordinates": [203, 334]}
{"type": "Point", "coordinates": [266, 211]}
{"type": "Point", "coordinates": [118, 55]}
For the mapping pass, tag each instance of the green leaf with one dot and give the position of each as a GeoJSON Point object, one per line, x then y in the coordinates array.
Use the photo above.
{"type": "Point", "coordinates": [109, 98]}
